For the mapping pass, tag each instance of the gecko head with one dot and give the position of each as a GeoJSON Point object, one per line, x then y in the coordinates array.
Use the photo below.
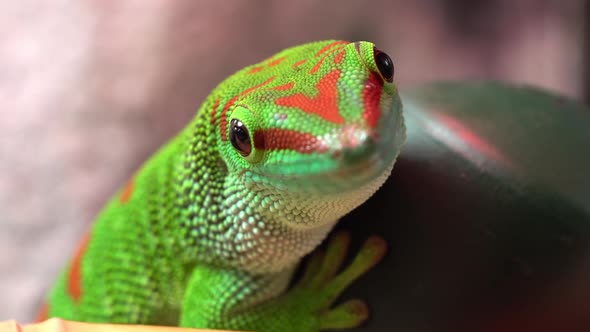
{"type": "Point", "coordinates": [313, 131]}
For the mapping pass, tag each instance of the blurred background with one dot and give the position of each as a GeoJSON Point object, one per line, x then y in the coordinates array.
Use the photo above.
{"type": "Point", "coordinates": [90, 88]}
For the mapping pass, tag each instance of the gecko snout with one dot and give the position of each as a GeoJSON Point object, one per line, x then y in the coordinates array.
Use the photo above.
{"type": "Point", "coordinates": [360, 153]}
{"type": "Point", "coordinates": [356, 145]}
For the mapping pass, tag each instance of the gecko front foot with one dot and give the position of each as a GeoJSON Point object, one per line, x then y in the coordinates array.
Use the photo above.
{"type": "Point", "coordinates": [321, 283]}
{"type": "Point", "coordinates": [306, 307]}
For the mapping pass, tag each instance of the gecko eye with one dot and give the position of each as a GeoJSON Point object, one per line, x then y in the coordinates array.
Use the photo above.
{"type": "Point", "coordinates": [240, 138]}
{"type": "Point", "coordinates": [384, 64]}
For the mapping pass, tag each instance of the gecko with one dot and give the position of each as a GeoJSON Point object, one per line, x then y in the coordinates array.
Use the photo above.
{"type": "Point", "coordinates": [209, 232]}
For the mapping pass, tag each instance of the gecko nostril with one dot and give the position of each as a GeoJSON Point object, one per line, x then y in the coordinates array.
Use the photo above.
{"type": "Point", "coordinates": [355, 144]}
{"type": "Point", "coordinates": [359, 152]}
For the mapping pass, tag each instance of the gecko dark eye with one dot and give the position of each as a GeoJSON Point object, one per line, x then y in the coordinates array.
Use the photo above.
{"type": "Point", "coordinates": [384, 64]}
{"type": "Point", "coordinates": [239, 137]}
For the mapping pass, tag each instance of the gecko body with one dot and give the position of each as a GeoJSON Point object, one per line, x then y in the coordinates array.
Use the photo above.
{"type": "Point", "coordinates": [208, 232]}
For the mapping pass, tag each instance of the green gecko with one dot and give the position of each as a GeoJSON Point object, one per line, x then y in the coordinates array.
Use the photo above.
{"type": "Point", "coordinates": [208, 232]}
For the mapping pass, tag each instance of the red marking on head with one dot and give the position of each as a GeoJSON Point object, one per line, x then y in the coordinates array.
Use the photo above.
{"type": "Point", "coordinates": [74, 278]}
{"type": "Point", "coordinates": [325, 104]}
{"type": "Point", "coordinates": [371, 99]}
{"type": "Point", "coordinates": [339, 57]}
{"type": "Point", "coordinates": [284, 87]}
{"type": "Point", "coordinates": [255, 70]}
{"type": "Point", "coordinates": [299, 63]}
{"type": "Point", "coordinates": [276, 61]}
{"type": "Point", "coordinates": [286, 139]}
{"type": "Point", "coordinates": [273, 63]}
{"type": "Point", "coordinates": [223, 125]}
{"type": "Point", "coordinates": [43, 313]}
{"type": "Point", "coordinates": [317, 66]}
{"type": "Point", "coordinates": [127, 192]}
{"type": "Point", "coordinates": [329, 46]}
{"type": "Point", "coordinates": [214, 111]}
{"type": "Point", "coordinates": [328, 50]}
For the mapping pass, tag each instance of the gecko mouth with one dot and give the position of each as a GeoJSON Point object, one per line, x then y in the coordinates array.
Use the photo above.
{"type": "Point", "coordinates": [341, 169]}
{"type": "Point", "coordinates": [334, 179]}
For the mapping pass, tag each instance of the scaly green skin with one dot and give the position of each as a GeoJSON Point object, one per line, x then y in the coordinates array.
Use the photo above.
{"type": "Point", "coordinates": [202, 236]}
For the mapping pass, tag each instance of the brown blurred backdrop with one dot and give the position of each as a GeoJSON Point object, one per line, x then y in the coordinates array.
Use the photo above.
{"type": "Point", "coordinates": [90, 88]}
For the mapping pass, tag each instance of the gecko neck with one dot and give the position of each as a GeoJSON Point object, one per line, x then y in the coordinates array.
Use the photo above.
{"type": "Point", "coordinates": [222, 221]}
